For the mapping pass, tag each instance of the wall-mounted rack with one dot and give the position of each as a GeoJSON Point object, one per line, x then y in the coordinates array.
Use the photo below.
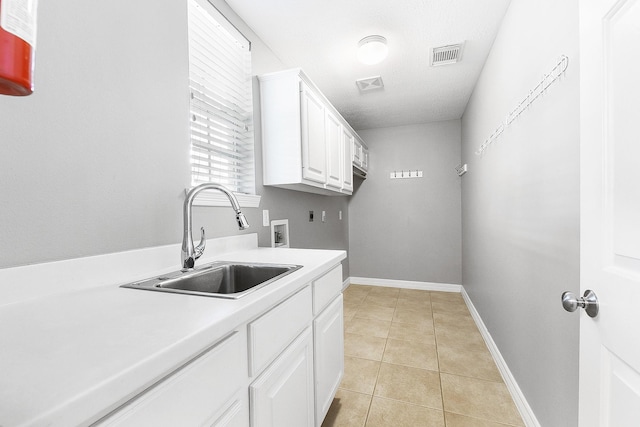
{"type": "Point", "coordinates": [547, 80]}
{"type": "Point", "coordinates": [405, 174]}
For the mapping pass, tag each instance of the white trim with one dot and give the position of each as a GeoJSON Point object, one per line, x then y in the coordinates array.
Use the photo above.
{"type": "Point", "coordinates": [426, 286]}
{"type": "Point", "coordinates": [218, 199]}
{"type": "Point", "coordinates": [346, 283]}
{"type": "Point", "coordinates": [520, 401]}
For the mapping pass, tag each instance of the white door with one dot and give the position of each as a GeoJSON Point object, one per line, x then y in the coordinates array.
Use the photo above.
{"type": "Point", "coordinates": [610, 211]}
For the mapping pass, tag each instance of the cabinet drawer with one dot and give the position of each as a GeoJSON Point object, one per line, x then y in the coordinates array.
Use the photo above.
{"type": "Point", "coordinates": [194, 394]}
{"type": "Point", "coordinates": [326, 288]}
{"type": "Point", "coordinates": [236, 414]}
{"type": "Point", "coordinates": [271, 333]}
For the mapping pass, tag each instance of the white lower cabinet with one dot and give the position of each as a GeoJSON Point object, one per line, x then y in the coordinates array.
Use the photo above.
{"type": "Point", "coordinates": [283, 394]}
{"type": "Point", "coordinates": [281, 369]}
{"type": "Point", "coordinates": [200, 393]}
{"type": "Point", "coordinates": [329, 356]}
{"type": "Point", "coordinates": [235, 415]}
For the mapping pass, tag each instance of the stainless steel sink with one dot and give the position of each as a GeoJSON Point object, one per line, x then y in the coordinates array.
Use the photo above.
{"type": "Point", "coordinates": [219, 279]}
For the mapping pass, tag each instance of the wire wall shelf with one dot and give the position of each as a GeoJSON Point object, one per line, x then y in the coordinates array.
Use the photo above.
{"type": "Point", "coordinates": [547, 80]}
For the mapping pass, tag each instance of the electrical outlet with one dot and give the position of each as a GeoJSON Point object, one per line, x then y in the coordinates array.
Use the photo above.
{"type": "Point", "coordinates": [310, 216]}
{"type": "Point", "coordinates": [324, 216]}
{"type": "Point", "coordinates": [340, 215]}
{"type": "Point", "coordinates": [265, 218]}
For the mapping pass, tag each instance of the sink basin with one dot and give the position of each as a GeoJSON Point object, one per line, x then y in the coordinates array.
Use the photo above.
{"type": "Point", "coordinates": [219, 279]}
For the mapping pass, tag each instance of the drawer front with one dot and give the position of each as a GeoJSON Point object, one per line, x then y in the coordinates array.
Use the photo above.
{"type": "Point", "coordinates": [235, 414]}
{"type": "Point", "coordinates": [193, 394]}
{"type": "Point", "coordinates": [326, 288]}
{"type": "Point", "coordinates": [272, 332]}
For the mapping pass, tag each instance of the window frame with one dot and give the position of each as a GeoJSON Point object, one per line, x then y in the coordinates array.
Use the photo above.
{"type": "Point", "coordinates": [210, 198]}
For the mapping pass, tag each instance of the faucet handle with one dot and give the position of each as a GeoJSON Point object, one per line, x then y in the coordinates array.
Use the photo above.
{"type": "Point", "coordinates": [199, 250]}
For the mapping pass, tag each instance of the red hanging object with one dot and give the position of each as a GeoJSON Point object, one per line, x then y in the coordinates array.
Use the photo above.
{"type": "Point", "coordinates": [16, 64]}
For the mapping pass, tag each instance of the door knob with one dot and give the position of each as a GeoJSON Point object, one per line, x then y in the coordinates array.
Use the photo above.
{"type": "Point", "coordinates": [589, 302]}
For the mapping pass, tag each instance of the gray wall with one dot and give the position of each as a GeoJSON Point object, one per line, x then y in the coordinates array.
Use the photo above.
{"type": "Point", "coordinates": [409, 229]}
{"type": "Point", "coordinates": [520, 203]}
{"type": "Point", "coordinates": [97, 159]}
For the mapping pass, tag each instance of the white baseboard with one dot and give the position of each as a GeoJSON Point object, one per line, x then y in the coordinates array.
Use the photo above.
{"type": "Point", "coordinates": [425, 286]}
{"type": "Point", "coordinates": [520, 401]}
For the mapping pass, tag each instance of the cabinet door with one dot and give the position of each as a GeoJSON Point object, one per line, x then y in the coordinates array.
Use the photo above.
{"type": "Point", "coordinates": [346, 160]}
{"type": "Point", "coordinates": [333, 136]}
{"type": "Point", "coordinates": [357, 152]}
{"type": "Point", "coordinates": [283, 394]}
{"type": "Point", "coordinates": [314, 152]}
{"type": "Point", "coordinates": [365, 158]}
{"type": "Point", "coordinates": [329, 356]}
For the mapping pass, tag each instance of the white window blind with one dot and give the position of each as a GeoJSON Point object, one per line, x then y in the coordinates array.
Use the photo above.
{"type": "Point", "coordinates": [221, 101]}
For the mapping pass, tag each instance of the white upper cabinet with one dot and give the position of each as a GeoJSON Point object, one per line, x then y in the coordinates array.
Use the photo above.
{"type": "Point", "coordinates": [333, 138]}
{"type": "Point", "coordinates": [314, 153]}
{"type": "Point", "coordinates": [346, 161]}
{"type": "Point", "coordinates": [360, 155]}
{"type": "Point", "coordinates": [306, 143]}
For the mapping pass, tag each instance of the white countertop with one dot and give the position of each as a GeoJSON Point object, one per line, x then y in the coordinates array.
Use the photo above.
{"type": "Point", "coordinates": [70, 358]}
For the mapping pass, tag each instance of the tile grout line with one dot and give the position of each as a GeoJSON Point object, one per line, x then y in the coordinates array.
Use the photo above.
{"type": "Point", "coordinates": [484, 419]}
{"type": "Point", "coordinates": [373, 393]}
{"type": "Point", "coordinates": [435, 338]}
{"type": "Point", "coordinates": [366, 418]}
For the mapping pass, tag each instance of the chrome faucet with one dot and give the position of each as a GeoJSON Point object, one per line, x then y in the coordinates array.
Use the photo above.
{"type": "Point", "coordinates": [189, 253]}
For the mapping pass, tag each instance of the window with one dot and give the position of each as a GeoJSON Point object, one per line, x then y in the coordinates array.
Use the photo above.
{"type": "Point", "coordinates": [221, 104]}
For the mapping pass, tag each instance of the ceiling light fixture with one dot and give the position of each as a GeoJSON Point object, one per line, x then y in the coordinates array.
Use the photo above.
{"type": "Point", "coordinates": [372, 49]}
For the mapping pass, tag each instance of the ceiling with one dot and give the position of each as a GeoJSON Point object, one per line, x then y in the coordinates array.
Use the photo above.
{"type": "Point", "coordinates": [321, 37]}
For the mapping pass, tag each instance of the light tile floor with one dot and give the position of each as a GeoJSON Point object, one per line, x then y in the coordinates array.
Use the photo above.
{"type": "Point", "coordinates": [416, 358]}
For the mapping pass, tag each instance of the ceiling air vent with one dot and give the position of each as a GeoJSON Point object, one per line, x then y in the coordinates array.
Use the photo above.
{"type": "Point", "coordinates": [444, 55]}
{"type": "Point", "coordinates": [370, 83]}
